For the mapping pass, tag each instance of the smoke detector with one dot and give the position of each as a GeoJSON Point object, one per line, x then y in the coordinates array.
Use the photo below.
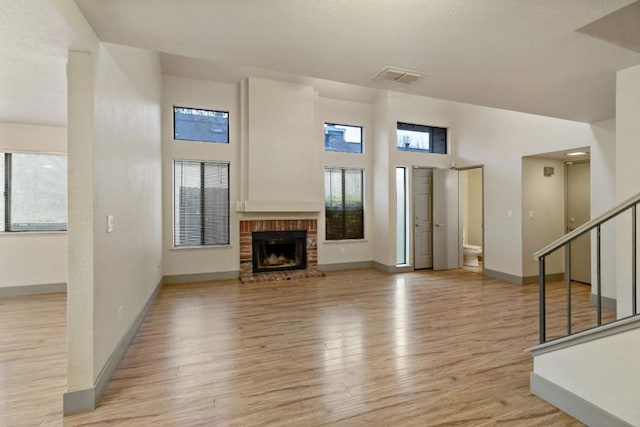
{"type": "Point", "coordinates": [399, 75]}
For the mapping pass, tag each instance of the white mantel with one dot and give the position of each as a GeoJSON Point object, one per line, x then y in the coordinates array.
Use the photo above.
{"type": "Point", "coordinates": [279, 206]}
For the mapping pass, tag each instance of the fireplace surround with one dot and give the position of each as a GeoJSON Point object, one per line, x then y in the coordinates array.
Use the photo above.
{"type": "Point", "coordinates": [250, 273]}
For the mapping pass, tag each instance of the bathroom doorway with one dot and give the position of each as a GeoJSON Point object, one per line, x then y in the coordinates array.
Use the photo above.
{"type": "Point", "coordinates": [472, 215]}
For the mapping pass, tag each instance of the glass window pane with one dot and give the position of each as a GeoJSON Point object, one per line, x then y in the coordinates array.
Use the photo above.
{"type": "Point", "coordinates": [401, 216]}
{"type": "Point", "coordinates": [216, 204]}
{"type": "Point", "coordinates": [439, 140]}
{"type": "Point", "coordinates": [421, 138]}
{"type": "Point", "coordinates": [353, 205]}
{"type": "Point", "coordinates": [344, 211]}
{"type": "Point", "coordinates": [187, 204]}
{"type": "Point", "coordinates": [342, 138]}
{"type": "Point", "coordinates": [333, 204]}
{"type": "Point", "coordinates": [192, 124]}
{"type": "Point", "coordinates": [2, 189]}
{"type": "Point", "coordinates": [201, 212]}
{"type": "Point", "coordinates": [413, 140]}
{"type": "Point", "coordinates": [38, 192]}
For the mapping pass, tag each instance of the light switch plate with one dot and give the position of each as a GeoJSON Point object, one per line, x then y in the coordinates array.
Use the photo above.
{"type": "Point", "coordinates": [109, 223]}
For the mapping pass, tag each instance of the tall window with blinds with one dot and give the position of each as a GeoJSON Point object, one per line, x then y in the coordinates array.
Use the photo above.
{"type": "Point", "coordinates": [343, 201]}
{"type": "Point", "coordinates": [201, 203]}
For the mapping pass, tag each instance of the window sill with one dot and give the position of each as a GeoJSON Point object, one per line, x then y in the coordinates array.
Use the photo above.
{"type": "Point", "coordinates": [418, 150]}
{"type": "Point", "coordinates": [186, 248]}
{"type": "Point", "coordinates": [31, 233]}
{"type": "Point", "coordinates": [342, 242]}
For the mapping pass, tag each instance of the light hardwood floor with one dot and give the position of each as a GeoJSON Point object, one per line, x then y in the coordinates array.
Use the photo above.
{"type": "Point", "coordinates": [352, 348]}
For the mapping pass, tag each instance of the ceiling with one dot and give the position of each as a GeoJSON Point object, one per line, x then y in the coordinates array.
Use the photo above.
{"type": "Point", "coordinates": [563, 155]}
{"type": "Point", "coordinates": [522, 55]}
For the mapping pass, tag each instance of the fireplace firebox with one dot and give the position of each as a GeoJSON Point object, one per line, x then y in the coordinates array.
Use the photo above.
{"type": "Point", "coordinates": [279, 250]}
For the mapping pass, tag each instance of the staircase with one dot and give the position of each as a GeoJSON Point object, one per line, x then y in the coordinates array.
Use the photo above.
{"type": "Point", "coordinates": [591, 374]}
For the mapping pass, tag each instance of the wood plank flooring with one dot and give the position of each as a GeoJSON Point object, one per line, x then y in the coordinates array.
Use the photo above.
{"type": "Point", "coordinates": [352, 348]}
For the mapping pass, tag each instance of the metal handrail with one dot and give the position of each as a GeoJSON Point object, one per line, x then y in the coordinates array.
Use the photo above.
{"type": "Point", "coordinates": [565, 241]}
{"type": "Point", "coordinates": [588, 226]}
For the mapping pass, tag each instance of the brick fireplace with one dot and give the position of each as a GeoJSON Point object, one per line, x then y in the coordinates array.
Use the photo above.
{"type": "Point", "coordinates": [247, 228]}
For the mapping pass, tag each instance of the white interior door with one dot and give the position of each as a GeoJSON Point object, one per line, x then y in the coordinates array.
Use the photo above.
{"type": "Point", "coordinates": [422, 219]}
{"type": "Point", "coordinates": [446, 220]}
{"type": "Point", "coordinates": [578, 212]}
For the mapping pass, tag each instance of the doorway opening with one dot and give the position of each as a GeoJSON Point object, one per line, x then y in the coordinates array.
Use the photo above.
{"type": "Point", "coordinates": [422, 218]}
{"type": "Point", "coordinates": [436, 219]}
{"type": "Point", "coordinates": [555, 200]}
{"type": "Point", "coordinates": [472, 218]}
{"type": "Point", "coordinates": [578, 211]}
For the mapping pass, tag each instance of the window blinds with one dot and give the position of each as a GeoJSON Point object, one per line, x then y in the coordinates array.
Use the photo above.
{"type": "Point", "coordinates": [201, 203]}
{"type": "Point", "coordinates": [344, 210]}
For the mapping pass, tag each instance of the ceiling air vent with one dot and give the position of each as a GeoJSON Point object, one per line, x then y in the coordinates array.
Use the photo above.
{"type": "Point", "coordinates": [395, 74]}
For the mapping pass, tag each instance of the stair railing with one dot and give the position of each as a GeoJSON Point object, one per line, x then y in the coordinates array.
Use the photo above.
{"type": "Point", "coordinates": [565, 241]}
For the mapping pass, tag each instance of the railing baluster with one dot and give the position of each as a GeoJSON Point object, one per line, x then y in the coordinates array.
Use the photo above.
{"type": "Point", "coordinates": [567, 274]}
{"type": "Point", "coordinates": [598, 278]}
{"type": "Point", "coordinates": [567, 240]}
{"type": "Point", "coordinates": [541, 281]}
{"type": "Point", "coordinates": [634, 284]}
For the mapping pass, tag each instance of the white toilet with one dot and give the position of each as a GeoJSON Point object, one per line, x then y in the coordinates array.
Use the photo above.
{"type": "Point", "coordinates": [470, 252]}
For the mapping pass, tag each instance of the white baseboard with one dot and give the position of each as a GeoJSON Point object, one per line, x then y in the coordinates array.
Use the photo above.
{"type": "Point", "coordinates": [573, 404]}
{"type": "Point", "coordinates": [45, 288]}
{"type": "Point", "coordinates": [87, 399]}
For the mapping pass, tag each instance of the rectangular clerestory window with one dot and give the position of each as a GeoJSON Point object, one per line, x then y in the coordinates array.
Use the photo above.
{"type": "Point", "coordinates": [342, 138]}
{"type": "Point", "coordinates": [195, 124]}
{"type": "Point", "coordinates": [420, 138]}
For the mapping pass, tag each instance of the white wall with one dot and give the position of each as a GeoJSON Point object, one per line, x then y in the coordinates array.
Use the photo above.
{"type": "Point", "coordinates": [543, 213]}
{"type": "Point", "coordinates": [497, 139]}
{"type": "Point", "coordinates": [603, 198]}
{"type": "Point", "coordinates": [384, 245]}
{"type": "Point", "coordinates": [627, 174]}
{"type": "Point", "coordinates": [118, 133]}
{"type": "Point", "coordinates": [225, 96]}
{"type": "Point", "coordinates": [32, 258]}
{"type": "Point", "coordinates": [282, 149]}
{"type": "Point", "coordinates": [478, 135]}
{"type": "Point", "coordinates": [604, 372]}
{"type": "Point", "coordinates": [211, 96]}
{"type": "Point", "coordinates": [357, 114]}
{"type": "Point", "coordinates": [127, 162]}
{"type": "Point", "coordinates": [418, 110]}
{"type": "Point", "coordinates": [80, 285]}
